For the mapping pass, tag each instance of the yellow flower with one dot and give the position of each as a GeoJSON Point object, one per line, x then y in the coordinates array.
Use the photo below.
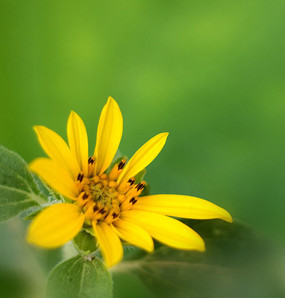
{"type": "Point", "coordinates": [110, 203]}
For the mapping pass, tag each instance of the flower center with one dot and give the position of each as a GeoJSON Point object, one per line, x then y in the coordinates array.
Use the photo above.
{"type": "Point", "coordinates": [101, 198]}
{"type": "Point", "coordinates": [102, 194]}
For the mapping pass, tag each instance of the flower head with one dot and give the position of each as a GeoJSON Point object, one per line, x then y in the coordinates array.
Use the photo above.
{"type": "Point", "coordinates": [109, 202]}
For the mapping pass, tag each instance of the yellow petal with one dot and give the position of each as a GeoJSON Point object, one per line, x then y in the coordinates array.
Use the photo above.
{"type": "Point", "coordinates": [56, 225]}
{"type": "Point", "coordinates": [143, 157]}
{"type": "Point", "coordinates": [166, 229]}
{"type": "Point", "coordinates": [56, 177]}
{"type": "Point", "coordinates": [182, 206]}
{"type": "Point", "coordinates": [109, 133]}
{"type": "Point", "coordinates": [78, 141]}
{"type": "Point", "coordinates": [134, 234]}
{"type": "Point", "coordinates": [56, 148]}
{"type": "Point", "coordinates": [109, 243]}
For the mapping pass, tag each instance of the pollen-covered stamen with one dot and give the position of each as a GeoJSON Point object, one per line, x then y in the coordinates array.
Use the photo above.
{"type": "Point", "coordinates": [128, 203]}
{"type": "Point", "coordinates": [131, 181]}
{"type": "Point", "coordinates": [136, 190]}
{"type": "Point", "coordinates": [117, 170]}
{"type": "Point", "coordinates": [82, 199]}
{"type": "Point", "coordinates": [80, 177]}
{"type": "Point", "coordinates": [91, 160]}
{"type": "Point", "coordinates": [131, 197]}
{"type": "Point", "coordinates": [91, 165]}
{"type": "Point", "coordinates": [85, 196]}
{"type": "Point", "coordinates": [140, 186]}
{"type": "Point", "coordinates": [80, 180]}
{"type": "Point", "coordinates": [125, 186]}
{"type": "Point", "coordinates": [121, 164]}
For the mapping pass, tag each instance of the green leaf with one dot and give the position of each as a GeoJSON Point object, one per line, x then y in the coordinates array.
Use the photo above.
{"type": "Point", "coordinates": [133, 252]}
{"type": "Point", "coordinates": [47, 192]}
{"type": "Point", "coordinates": [20, 261]}
{"type": "Point", "coordinates": [32, 213]}
{"type": "Point", "coordinates": [13, 202]}
{"type": "Point", "coordinates": [80, 277]}
{"type": "Point", "coordinates": [18, 188]}
{"type": "Point", "coordinates": [139, 176]}
{"type": "Point", "coordinates": [85, 243]}
{"type": "Point", "coordinates": [14, 284]}
{"type": "Point", "coordinates": [237, 263]}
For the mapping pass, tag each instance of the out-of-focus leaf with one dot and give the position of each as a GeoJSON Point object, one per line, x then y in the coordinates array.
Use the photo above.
{"type": "Point", "coordinates": [18, 189]}
{"type": "Point", "coordinates": [80, 277]}
{"type": "Point", "coordinates": [237, 263]}
{"type": "Point", "coordinates": [31, 215]}
{"type": "Point", "coordinates": [85, 243]}
{"type": "Point", "coordinates": [31, 263]}
{"type": "Point", "coordinates": [139, 176]}
{"type": "Point", "coordinates": [15, 285]}
{"type": "Point", "coordinates": [133, 252]}
{"type": "Point", "coordinates": [128, 285]}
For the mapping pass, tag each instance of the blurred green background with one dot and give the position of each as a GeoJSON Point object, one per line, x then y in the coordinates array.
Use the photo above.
{"type": "Point", "coordinates": [209, 72]}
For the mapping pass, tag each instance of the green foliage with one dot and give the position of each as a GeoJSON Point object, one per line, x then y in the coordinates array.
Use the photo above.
{"type": "Point", "coordinates": [85, 243]}
{"type": "Point", "coordinates": [24, 268]}
{"type": "Point", "coordinates": [80, 277]}
{"type": "Point", "coordinates": [32, 214]}
{"type": "Point", "coordinates": [13, 284]}
{"type": "Point", "coordinates": [139, 176]}
{"type": "Point", "coordinates": [18, 188]}
{"type": "Point", "coordinates": [237, 263]}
